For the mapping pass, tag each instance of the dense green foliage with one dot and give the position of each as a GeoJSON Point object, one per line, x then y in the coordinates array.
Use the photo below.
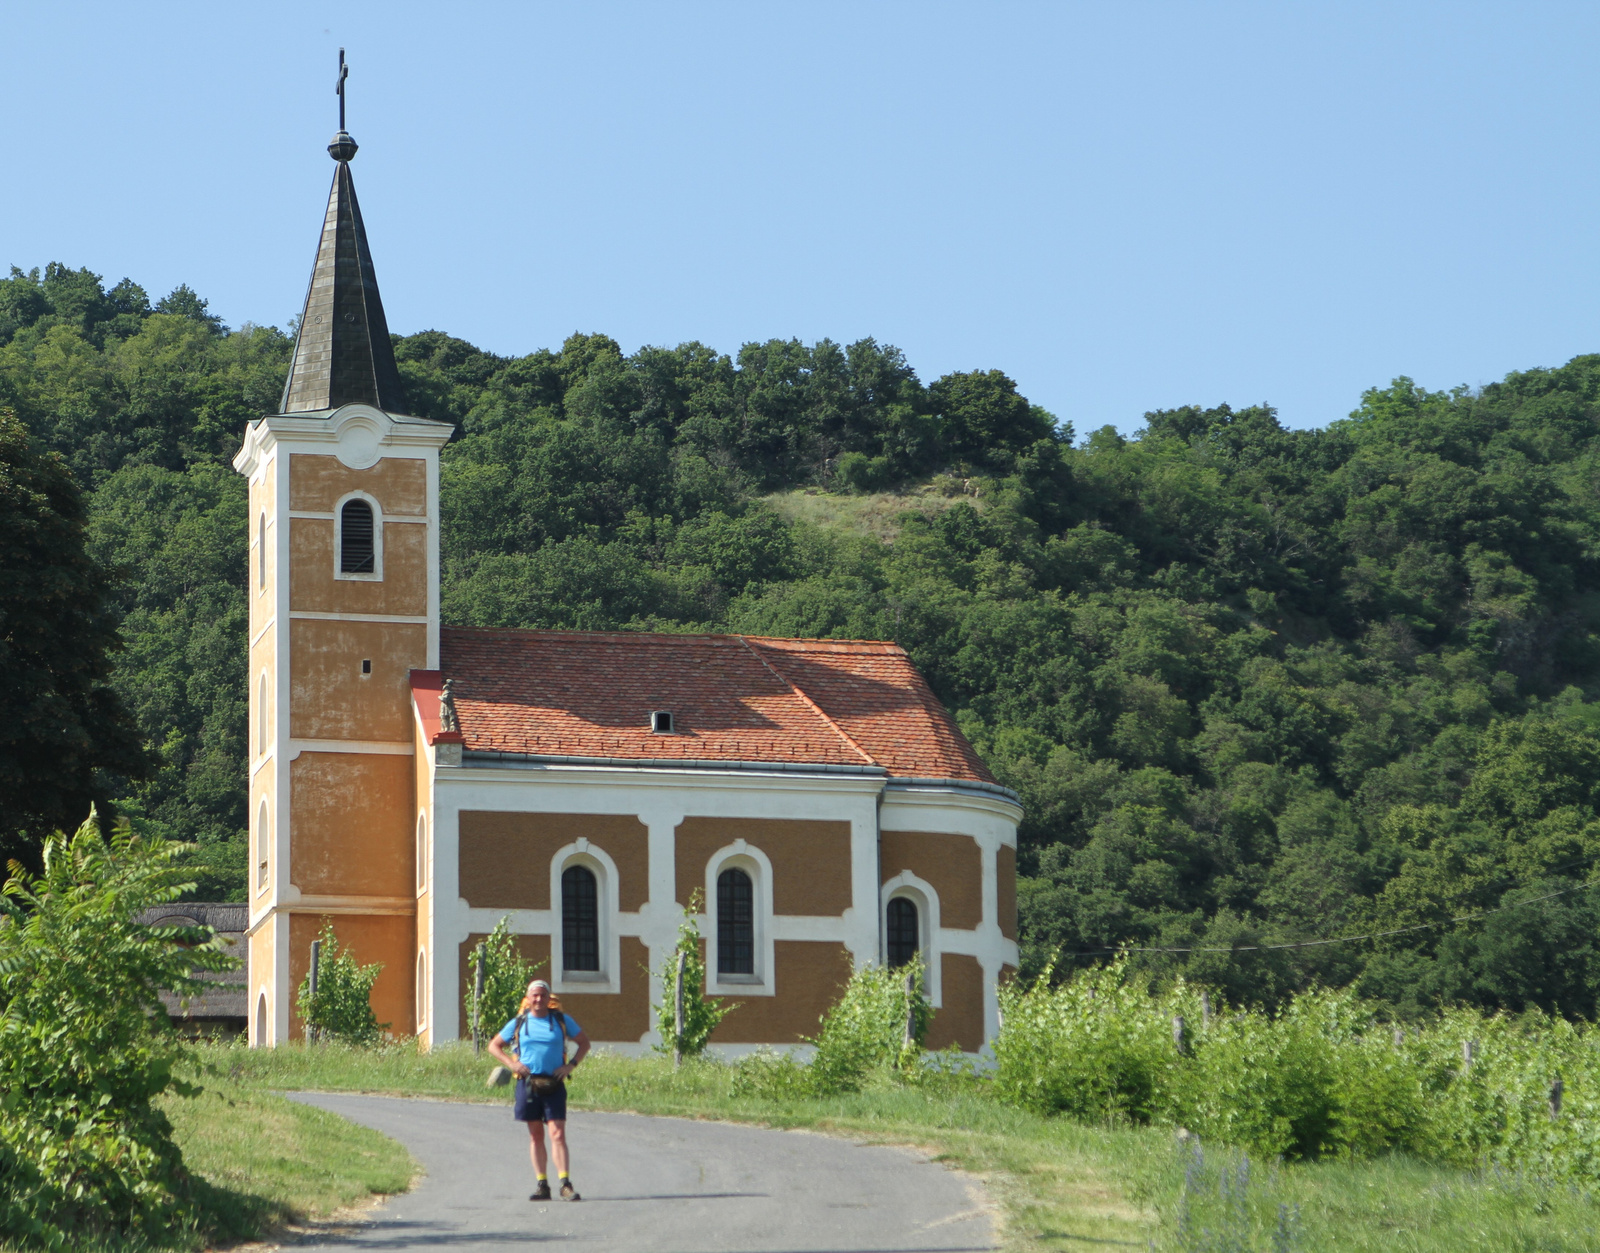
{"type": "Point", "coordinates": [339, 1008]}
{"type": "Point", "coordinates": [85, 1044]}
{"type": "Point", "coordinates": [1255, 685]}
{"type": "Point", "coordinates": [61, 725]}
{"type": "Point", "coordinates": [1322, 1076]}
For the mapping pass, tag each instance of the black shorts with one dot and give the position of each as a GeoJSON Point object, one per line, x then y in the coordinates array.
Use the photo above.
{"type": "Point", "coordinates": [531, 1107]}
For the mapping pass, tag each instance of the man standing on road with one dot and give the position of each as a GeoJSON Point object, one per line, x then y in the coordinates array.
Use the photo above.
{"type": "Point", "coordinates": [539, 1036]}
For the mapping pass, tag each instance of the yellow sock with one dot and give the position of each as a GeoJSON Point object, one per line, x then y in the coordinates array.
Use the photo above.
{"type": "Point", "coordinates": [543, 1178]}
{"type": "Point", "coordinates": [562, 1175]}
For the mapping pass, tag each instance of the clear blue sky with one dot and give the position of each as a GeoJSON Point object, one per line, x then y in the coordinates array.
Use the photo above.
{"type": "Point", "coordinates": [1124, 206]}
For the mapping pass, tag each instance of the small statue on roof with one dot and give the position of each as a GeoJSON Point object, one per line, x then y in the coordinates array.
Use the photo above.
{"type": "Point", "coordinates": [447, 708]}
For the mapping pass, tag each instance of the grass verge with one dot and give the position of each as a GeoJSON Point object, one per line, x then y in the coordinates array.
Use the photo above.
{"type": "Point", "coordinates": [1060, 1185]}
{"type": "Point", "coordinates": [263, 1162]}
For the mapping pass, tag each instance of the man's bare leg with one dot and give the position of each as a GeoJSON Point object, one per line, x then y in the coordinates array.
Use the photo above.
{"type": "Point", "coordinates": [558, 1144]}
{"type": "Point", "coordinates": [536, 1145]}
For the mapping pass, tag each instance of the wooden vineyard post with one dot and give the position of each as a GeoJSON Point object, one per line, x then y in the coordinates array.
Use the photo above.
{"type": "Point", "coordinates": [477, 1004]}
{"type": "Point", "coordinates": [316, 964]}
{"type": "Point", "coordinates": [677, 1012]}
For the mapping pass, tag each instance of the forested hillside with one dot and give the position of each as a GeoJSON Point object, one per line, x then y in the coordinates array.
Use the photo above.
{"type": "Point", "coordinates": [1256, 686]}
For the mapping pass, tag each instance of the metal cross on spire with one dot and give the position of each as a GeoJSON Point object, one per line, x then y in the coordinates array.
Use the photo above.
{"type": "Point", "coordinates": [344, 73]}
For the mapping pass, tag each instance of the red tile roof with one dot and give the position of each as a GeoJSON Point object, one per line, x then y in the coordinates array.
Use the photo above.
{"type": "Point", "coordinates": [853, 703]}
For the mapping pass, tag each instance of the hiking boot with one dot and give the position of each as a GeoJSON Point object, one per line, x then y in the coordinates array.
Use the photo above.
{"type": "Point", "coordinates": [542, 1192]}
{"type": "Point", "coordinates": [568, 1192]}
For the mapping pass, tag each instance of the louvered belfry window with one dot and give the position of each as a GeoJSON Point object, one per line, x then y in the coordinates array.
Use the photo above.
{"type": "Point", "coordinates": [580, 919]}
{"type": "Point", "coordinates": [355, 538]}
{"type": "Point", "coordinates": [903, 937]}
{"type": "Point", "coordinates": [736, 924]}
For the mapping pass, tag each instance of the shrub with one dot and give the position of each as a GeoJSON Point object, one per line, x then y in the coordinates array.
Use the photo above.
{"type": "Point", "coordinates": [700, 1015]}
{"type": "Point", "coordinates": [1094, 1047]}
{"type": "Point", "coordinates": [865, 1031]}
{"type": "Point", "coordinates": [506, 976]}
{"type": "Point", "coordinates": [861, 473]}
{"type": "Point", "coordinates": [1322, 1077]}
{"type": "Point", "coordinates": [866, 1028]}
{"type": "Point", "coordinates": [341, 1008]}
{"type": "Point", "coordinates": [86, 1045]}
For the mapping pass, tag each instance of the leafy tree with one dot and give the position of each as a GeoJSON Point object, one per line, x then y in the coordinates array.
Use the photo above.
{"type": "Point", "coordinates": [701, 1015]}
{"type": "Point", "coordinates": [506, 976]}
{"type": "Point", "coordinates": [86, 1046]}
{"type": "Point", "coordinates": [62, 728]}
{"type": "Point", "coordinates": [341, 1006]}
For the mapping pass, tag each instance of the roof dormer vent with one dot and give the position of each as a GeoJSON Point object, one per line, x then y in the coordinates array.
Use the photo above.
{"type": "Point", "coordinates": [661, 721]}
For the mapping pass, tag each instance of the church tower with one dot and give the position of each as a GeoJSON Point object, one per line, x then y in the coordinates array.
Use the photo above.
{"type": "Point", "coordinates": [344, 604]}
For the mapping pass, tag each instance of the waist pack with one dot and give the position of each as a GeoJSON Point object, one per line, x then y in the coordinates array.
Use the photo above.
{"type": "Point", "coordinates": [542, 1085]}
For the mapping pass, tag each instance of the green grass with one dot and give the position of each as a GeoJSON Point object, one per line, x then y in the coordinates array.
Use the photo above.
{"type": "Point", "coordinates": [1059, 1184]}
{"type": "Point", "coordinates": [264, 1162]}
{"type": "Point", "coordinates": [875, 514]}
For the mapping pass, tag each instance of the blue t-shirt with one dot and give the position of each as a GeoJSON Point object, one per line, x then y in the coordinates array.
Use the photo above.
{"type": "Point", "coordinates": [540, 1046]}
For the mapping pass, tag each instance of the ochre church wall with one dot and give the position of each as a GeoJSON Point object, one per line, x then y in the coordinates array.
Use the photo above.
{"type": "Point", "coordinates": [810, 859]}
{"type": "Point", "coordinates": [505, 857]}
{"type": "Point", "coordinates": [402, 590]}
{"type": "Point", "coordinates": [317, 481]}
{"type": "Point", "coordinates": [960, 1020]}
{"type": "Point", "coordinates": [952, 865]}
{"type": "Point", "coordinates": [1006, 867]}
{"type": "Point", "coordinates": [367, 938]}
{"type": "Point", "coordinates": [332, 699]}
{"type": "Point", "coordinates": [353, 813]}
{"type": "Point", "coordinates": [808, 977]}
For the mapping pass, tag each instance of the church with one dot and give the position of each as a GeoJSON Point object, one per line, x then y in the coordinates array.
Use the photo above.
{"type": "Point", "coordinates": [414, 783]}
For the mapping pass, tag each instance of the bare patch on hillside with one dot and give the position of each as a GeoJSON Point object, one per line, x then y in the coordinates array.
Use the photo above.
{"type": "Point", "coordinates": [875, 514]}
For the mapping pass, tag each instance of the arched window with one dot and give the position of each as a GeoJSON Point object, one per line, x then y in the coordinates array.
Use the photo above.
{"type": "Point", "coordinates": [262, 842]}
{"type": "Point", "coordinates": [736, 923]}
{"type": "Point", "coordinates": [580, 919]}
{"type": "Point", "coordinates": [356, 552]}
{"type": "Point", "coordinates": [261, 1021]}
{"type": "Point", "coordinates": [261, 718]}
{"type": "Point", "coordinates": [422, 990]}
{"type": "Point", "coordinates": [904, 931]}
{"type": "Point", "coordinates": [422, 851]}
{"type": "Point", "coordinates": [261, 553]}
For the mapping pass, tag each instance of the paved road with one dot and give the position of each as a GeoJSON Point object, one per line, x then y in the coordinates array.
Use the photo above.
{"type": "Point", "coordinates": [657, 1185]}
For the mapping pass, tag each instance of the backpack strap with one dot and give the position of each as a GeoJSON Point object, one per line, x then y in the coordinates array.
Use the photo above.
{"type": "Point", "coordinates": [561, 1026]}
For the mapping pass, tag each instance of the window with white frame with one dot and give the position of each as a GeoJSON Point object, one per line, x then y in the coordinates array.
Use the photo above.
{"type": "Point", "coordinates": [902, 931]}
{"type": "Point", "coordinates": [358, 538]}
{"type": "Point", "coordinates": [263, 842]}
{"type": "Point", "coordinates": [580, 921]}
{"type": "Point", "coordinates": [736, 922]}
{"type": "Point", "coordinates": [422, 989]}
{"type": "Point", "coordinates": [262, 729]}
{"type": "Point", "coordinates": [261, 1021]}
{"type": "Point", "coordinates": [261, 553]}
{"type": "Point", "coordinates": [422, 852]}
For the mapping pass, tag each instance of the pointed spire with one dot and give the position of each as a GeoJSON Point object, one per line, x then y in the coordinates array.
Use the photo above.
{"type": "Point", "coordinates": [342, 353]}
